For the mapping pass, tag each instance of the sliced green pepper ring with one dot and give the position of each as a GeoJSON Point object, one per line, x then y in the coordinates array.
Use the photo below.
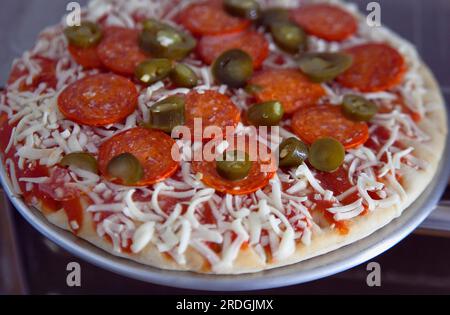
{"type": "Point", "coordinates": [247, 9]}
{"type": "Point", "coordinates": [326, 154]}
{"type": "Point", "coordinates": [87, 34]}
{"type": "Point", "coordinates": [164, 41]}
{"type": "Point", "coordinates": [233, 68]}
{"type": "Point", "coordinates": [152, 25]}
{"type": "Point", "coordinates": [273, 15]}
{"type": "Point", "coordinates": [292, 152]}
{"type": "Point", "coordinates": [323, 67]}
{"type": "Point", "coordinates": [82, 160]}
{"type": "Point", "coordinates": [265, 114]}
{"type": "Point", "coordinates": [358, 108]}
{"type": "Point", "coordinates": [167, 114]}
{"type": "Point", "coordinates": [153, 70]}
{"type": "Point", "coordinates": [125, 167]}
{"type": "Point", "coordinates": [183, 76]}
{"type": "Point", "coordinates": [233, 165]}
{"type": "Point", "coordinates": [288, 36]}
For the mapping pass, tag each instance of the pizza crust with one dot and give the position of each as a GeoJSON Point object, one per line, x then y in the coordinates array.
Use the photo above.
{"type": "Point", "coordinates": [414, 183]}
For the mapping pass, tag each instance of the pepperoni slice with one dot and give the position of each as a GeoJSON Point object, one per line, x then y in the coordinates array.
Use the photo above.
{"type": "Point", "coordinates": [85, 57]}
{"type": "Point", "coordinates": [151, 147]}
{"type": "Point", "coordinates": [119, 50]}
{"type": "Point", "coordinates": [213, 108]}
{"type": "Point", "coordinates": [337, 182]}
{"type": "Point", "coordinates": [253, 43]}
{"type": "Point", "coordinates": [376, 67]}
{"type": "Point", "coordinates": [315, 122]}
{"type": "Point", "coordinates": [47, 74]}
{"type": "Point", "coordinates": [209, 18]}
{"type": "Point", "coordinates": [326, 21]}
{"type": "Point", "coordinates": [257, 178]}
{"type": "Point", "coordinates": [289, 86]}
{"type": "Point", "coordinates": [98, 100]}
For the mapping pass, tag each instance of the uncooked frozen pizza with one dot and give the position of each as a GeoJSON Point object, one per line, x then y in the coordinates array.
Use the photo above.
{"type": "Point", "coordinates": [220, 136]}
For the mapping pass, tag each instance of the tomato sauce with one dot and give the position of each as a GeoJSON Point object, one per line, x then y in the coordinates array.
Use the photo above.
{"type": "Point", "coordinates": [337, 182]}
{"type": "Point", "coordinates": [322, 206]}
{"type": "Point", "coordinates": [74, 212]}
{"type": "Point", "coordinates": [382, 134]}
{"type": "Point", "coordinates": [268, 252]}
{"type": "Point", "coordinates": [207, 216]}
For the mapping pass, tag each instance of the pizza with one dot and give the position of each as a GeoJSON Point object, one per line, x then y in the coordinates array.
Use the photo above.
{"type": "Point", "coordinates": [220, 137]}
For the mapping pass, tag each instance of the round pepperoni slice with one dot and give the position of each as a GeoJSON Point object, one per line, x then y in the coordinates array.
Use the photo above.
{"type": "Point", "coordinates": [151, 147]}
{"type": "Point", "coordinates": [99, 100]}
{"type": "Point", "coordinates": [212, 109]}
{"type": "Point", "coordinates": [46, 74]}
{"type": "Point", "coordinates": [376, 67]}
{"type": "Point", "coordinates": [209, 18]}
{"type": "Point", "coordinates": [289, 86]}
{"type": "Point", "coordinates": [315, 122]}
{"type": "Point", "coordinates": [259, 175]}
{"type": "Point", "coordinates": [326, 21]}
{"type": "Point", "coordinates": [119, 50]}
{"type": "Point", "coordinates": [253, 43]}
{"type": "Point", "coordinates": [85, 57]}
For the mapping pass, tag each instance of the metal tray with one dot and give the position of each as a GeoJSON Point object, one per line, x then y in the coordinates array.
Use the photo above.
{"type": "Point", "coordinates": [312, 269]}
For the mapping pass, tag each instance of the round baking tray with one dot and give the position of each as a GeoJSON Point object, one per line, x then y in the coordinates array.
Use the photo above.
{"type": "Point", "coordinates": [312, 269]}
